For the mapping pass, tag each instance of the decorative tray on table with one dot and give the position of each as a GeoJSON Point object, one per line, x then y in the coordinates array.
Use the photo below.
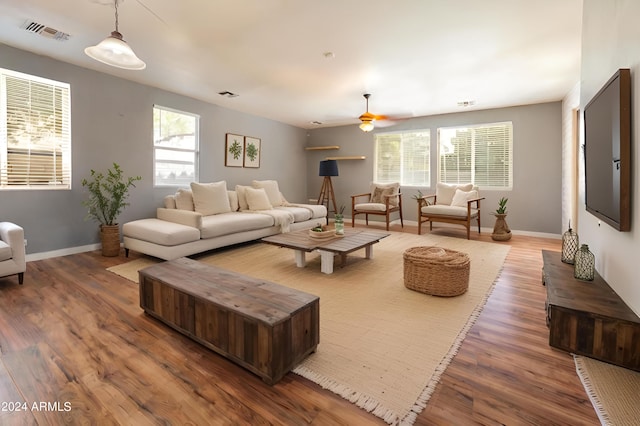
{"type": "Point", "coordinates": [325, 234]}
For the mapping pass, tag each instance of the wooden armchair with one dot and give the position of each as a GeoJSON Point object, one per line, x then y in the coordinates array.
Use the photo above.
{"type": "Point", "coordinates": [456, 204]}
{"type": "Point", "coordinates": [382, 200]}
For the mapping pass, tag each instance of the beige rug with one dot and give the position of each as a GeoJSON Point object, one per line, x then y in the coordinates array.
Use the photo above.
{"type": "Point", "coordinates": [614, 391]}
{"type": "Point", "coordinates": [382, 346]}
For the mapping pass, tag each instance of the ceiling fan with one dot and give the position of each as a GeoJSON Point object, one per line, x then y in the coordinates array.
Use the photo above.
{"type": "Point", "coordinates": [368, 118]}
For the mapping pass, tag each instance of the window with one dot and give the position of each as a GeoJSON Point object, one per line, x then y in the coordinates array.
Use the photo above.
{"type": "Point", "coordinates": [35, 132]}
{"type": "Point", "coordinates": [402, 157]}
{"type": "Point", "coordinates": [175, 147]}
{"type": "Point", "coordinates": [479, 154]}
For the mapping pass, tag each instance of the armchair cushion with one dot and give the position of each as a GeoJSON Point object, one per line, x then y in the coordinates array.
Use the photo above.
{"type": "Point", "coordinates": [5, 251]}
{"type": "Point", "coordinates": [445, 191]}
{"type": "Point", "coordinates": [379, 190]}
{"type": "Point", "coordinates": [460, 198]}
{"type": "Point", "coordinates": [442, 210]}
{"type": "Point", "coordinates": [377, 207]}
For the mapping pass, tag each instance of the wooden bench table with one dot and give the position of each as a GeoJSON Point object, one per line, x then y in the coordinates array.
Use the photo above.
{"type": "Point", "coordinates": [262, 326]}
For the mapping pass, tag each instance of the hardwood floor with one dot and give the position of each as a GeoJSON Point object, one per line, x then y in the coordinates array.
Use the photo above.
{"type": "Point", "coordinates": [75, 343]}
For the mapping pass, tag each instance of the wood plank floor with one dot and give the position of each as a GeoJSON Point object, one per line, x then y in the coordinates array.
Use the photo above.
{"type": "Point", "coordinates": [76, 348]}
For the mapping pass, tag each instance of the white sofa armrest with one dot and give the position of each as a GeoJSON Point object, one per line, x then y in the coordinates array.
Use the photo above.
{"type": "Point", "coordinates": [13, 235]}
{"type": "Point", "coordinates": [183, 217]}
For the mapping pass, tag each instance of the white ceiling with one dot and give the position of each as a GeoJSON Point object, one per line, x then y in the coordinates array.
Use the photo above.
{"type": "Point", "coordinates": [416, 57]}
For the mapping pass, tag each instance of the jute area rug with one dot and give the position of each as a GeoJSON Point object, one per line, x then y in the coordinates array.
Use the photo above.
{"type": "Point", "coordinates": [382, 346]}
{"type": "Point", "coordinates": [614, 391]}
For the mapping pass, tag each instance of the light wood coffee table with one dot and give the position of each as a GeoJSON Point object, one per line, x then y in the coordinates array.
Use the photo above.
{"type": "Point", "coordinates": [302, 243]}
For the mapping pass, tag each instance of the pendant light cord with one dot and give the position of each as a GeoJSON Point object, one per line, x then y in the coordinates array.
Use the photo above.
{"type": "Point", "coordinates": [116, 6]}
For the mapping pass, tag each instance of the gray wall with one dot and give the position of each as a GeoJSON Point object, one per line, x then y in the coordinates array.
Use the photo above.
{"type": "Point", "coordinates": [535, 201]}
{"type": "Point", "coordinates": [112, 122]}
{"type": "Point", "coordinates": [611, 40]}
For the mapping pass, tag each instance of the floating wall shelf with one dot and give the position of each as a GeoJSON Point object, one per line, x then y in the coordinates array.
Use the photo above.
{"type": "Point", "coordinates": [321, 148]}
{"type": "Point", "coordinates": [357, 157]}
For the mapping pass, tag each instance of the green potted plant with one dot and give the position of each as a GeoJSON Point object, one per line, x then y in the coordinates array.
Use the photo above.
{"type": "Point", "coordinates": [339, 221]}
{"type": "Point", "coordinates": [501, 231]}
{"type": "Point", "coordinates": [107, 199]}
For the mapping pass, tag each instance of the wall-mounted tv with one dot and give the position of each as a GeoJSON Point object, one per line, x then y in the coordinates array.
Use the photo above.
{"type": "Point", "coordinates": [607, 151]}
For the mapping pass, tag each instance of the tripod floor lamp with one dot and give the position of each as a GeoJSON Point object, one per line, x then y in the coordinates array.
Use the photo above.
{"type": "Point", "coordinates": [328, 168]}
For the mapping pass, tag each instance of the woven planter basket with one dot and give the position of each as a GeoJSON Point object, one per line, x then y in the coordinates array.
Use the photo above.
{"type": "Point", "coordinates": [110, 239]}
{"type": "Point", "coordinates": [436, 271]}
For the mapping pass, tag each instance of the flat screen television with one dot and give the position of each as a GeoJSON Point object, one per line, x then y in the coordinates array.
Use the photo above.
{"type": "Point", "coordinates": [607, 151]}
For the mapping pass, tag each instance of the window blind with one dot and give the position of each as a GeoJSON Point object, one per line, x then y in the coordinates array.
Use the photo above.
{"type": "Point", "coordinates": [480, 154]}
{"type": "Point", "coordinates": [403, 157]}
{"type": "Point", "coordinates": [35, 132]}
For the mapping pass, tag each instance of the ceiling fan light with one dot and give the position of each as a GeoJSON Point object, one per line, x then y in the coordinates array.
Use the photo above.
{"type": "Point", "coordinates": [366, 126]}
{"type": "Point", "coordinates": [114, 51]}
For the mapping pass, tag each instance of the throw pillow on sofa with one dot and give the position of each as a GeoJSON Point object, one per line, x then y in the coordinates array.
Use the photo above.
{"type": "Point", "coordinates": [210, 198]}
{"type": "Point", "coordinates": [184, 199]}
{"type": "Point", "coordinates": [272, 190]}
{"type": "Point", "coordinates": [257, 199]}
{"type": "Point", "coordinates": [241, 192]}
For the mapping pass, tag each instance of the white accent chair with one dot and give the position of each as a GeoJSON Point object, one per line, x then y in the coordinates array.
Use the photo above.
{"type": "Point", "coordinates": [12, 251]}
{"type": "Point", "coordinates": [456, 204]}
{"type": "Point", "coordinates": [382, 200]}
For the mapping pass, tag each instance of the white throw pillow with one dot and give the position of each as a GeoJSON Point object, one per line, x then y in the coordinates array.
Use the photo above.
{"type": "Point", "coordinates": [233, 200]}
{"type": "Point", "coordinates": [257, 199]}
{"type": "Point", "coordinates": [241, 191]}
{"type": "Point", "coordinates": [445, 191]}
{"type": "Point", "coordinates": [460, 198]}
{"type": "Point", "coordinates": [210, 198]}
{"type": "Point", "coordinates": [184, 199]}
{"type": "Point", "coordinates": [272, 190]}
{"type": "Point", "coordinates": [169, 202]}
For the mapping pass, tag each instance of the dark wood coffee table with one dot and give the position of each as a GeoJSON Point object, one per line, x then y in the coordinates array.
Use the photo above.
{"type": "Point", "coordinates": [302, 243]}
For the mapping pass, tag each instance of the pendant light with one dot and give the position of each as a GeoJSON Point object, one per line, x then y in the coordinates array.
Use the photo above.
{"type": "Point", "coordinates": [114, 51]}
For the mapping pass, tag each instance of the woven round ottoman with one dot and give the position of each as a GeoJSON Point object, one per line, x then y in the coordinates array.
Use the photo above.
{"type": "Point", "coordinates": [436, 271]}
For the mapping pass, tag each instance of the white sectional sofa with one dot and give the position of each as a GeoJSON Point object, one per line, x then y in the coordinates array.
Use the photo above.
{"type": "Point", "coordinates": [210, 216]}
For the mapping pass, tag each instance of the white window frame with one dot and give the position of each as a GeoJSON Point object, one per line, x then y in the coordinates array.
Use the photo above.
{"type": "Point", "coordinates": [404, 164]}
{"type": "Point", "coordinates": [35, 138]}
{"type": "Point", "coordinates": [195, 151]}
{"type": "Point", "coordinates": [506, 145]}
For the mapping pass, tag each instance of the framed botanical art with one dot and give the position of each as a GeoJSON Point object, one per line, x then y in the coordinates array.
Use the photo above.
{"type": "Point", "coordinates": [251, 152]}
{"type": "Point", "coordinates": [234, 150]}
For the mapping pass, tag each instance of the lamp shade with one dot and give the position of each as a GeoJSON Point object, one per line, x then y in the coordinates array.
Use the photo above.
{"type": "Point", "coordinates": [328, 168]}
{"type": "Point", "coordinates": [114, 51]}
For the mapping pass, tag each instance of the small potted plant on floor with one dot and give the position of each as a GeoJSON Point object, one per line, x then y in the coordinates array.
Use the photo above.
{"type": "Point", "coordinates": [107, 198]}
{"type": "Point", "coordinates": [501, 231]}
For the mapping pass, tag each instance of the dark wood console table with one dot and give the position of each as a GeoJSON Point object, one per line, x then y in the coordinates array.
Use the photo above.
{"type": "Point", "coordinates": [587, 317]}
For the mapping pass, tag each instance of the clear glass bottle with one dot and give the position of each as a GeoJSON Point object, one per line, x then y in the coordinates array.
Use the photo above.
{"type": "Point", "coordinates": [585, 264]}
{"type": "Point", "coordinates": [339, 225]}
{"type": "Point", "coordinates": [570, 244]}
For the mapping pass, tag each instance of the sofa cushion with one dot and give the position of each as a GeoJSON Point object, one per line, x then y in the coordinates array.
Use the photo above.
{"type": "Point", "coordinates": [160, 232]}
{"type": "Point", "coordinates": [184, 199]}
{"type": "Point", "coordinates": [445, 191]}
{"type": "Point", "coordinates": [272, 190]}
{"type": "Point", "coordinates": [460, 198]}
{"type": "Point", "coordinates": [443, 210]}
{"type": "Point", "coordinates": [5, 251]}
{"type": "Point", "coordinates": [257, 199]}
{"type": "Point", "coordinates": [210, 198]}
{"type": "Point", "coordinates": [300, 214]}
{"type": "Point", "coordinates": [234, 222]}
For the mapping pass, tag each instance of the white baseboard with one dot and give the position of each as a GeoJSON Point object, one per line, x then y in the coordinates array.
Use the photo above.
{"type": "Point", "coordinates": [62, 252]}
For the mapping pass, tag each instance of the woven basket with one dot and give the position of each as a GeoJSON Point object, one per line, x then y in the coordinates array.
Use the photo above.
{"type": "Point", "coordinates": [436, 271]}
{"type": "Point", "coordinates": [110, 239]}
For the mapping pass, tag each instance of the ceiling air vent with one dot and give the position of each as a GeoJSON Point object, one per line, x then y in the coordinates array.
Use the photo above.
{"type": "Point", "coordinates": [44, 31]}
